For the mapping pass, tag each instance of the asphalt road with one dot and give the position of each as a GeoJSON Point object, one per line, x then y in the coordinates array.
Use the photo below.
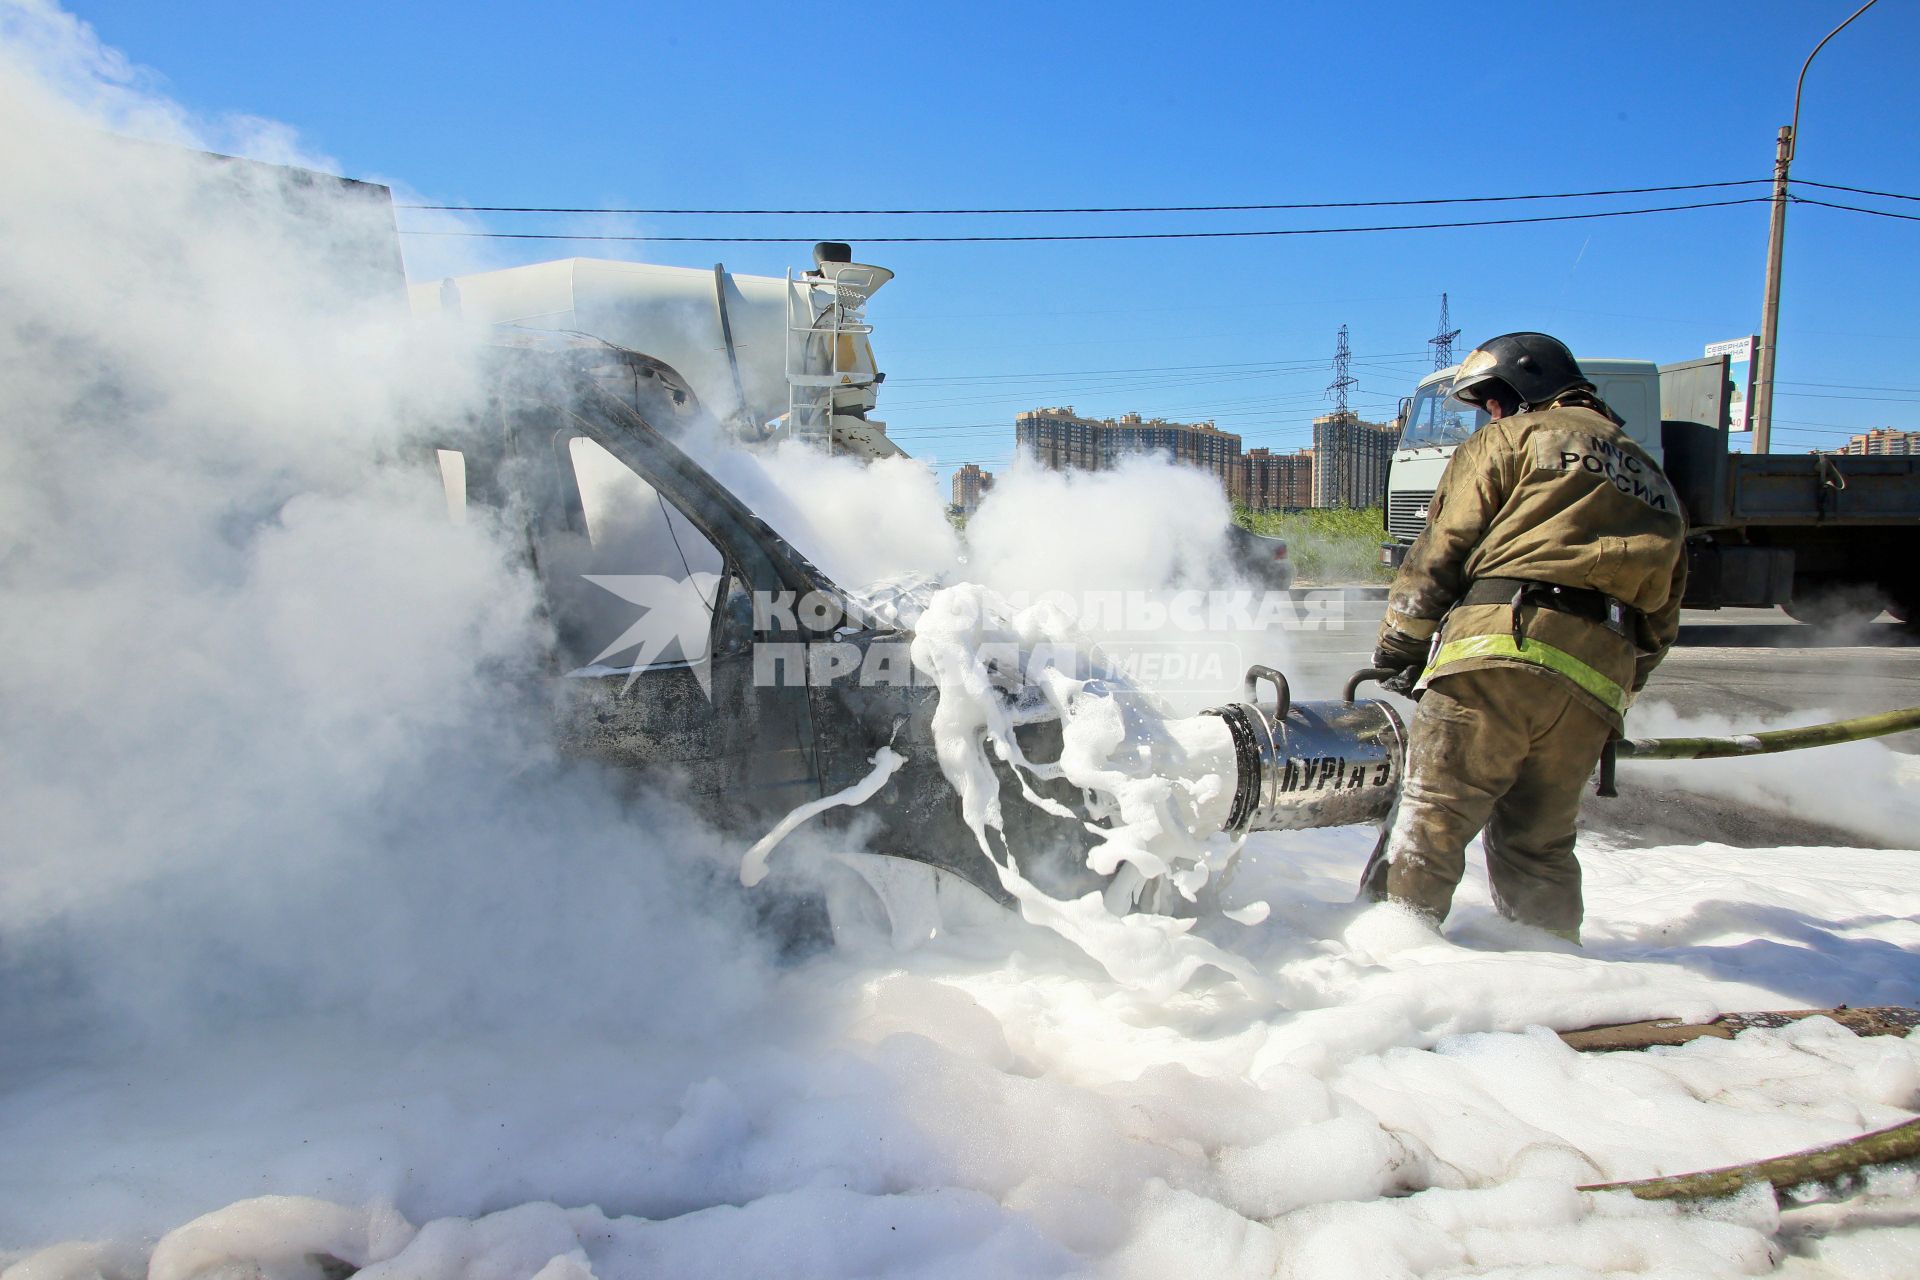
{"type": "Point", "coordinates": [1731, 662]}
{"type": "Point", "coordinates": [1748, 665]}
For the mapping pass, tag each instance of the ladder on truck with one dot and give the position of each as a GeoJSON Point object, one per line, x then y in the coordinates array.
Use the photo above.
{"type": "Point", "coordinates": [829, 356]}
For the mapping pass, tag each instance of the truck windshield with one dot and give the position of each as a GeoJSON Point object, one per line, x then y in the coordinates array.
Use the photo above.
{"type": "Point", "coordinates": [1438, 419]}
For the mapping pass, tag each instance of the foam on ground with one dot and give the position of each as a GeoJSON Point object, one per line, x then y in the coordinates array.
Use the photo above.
{"type": "Point", "coordinates": [993, 1103]}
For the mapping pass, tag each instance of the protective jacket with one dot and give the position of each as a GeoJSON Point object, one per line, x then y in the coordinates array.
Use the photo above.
{"type": "Point", "coordinates": [1562, 496]}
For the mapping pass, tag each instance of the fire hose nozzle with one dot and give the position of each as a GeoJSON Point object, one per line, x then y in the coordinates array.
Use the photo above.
{"type": "Point", "coordinates": [1302, 765]}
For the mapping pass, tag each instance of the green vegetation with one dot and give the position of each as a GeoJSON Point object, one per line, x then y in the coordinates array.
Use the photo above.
{"type": "Point", "coordinates": [1326, 544]}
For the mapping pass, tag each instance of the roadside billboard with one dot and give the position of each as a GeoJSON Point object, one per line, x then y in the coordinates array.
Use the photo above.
{"type": "Point", "coordinates": [1739, 353]}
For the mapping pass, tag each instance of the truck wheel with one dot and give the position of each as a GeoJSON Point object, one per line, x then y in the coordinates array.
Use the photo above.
{"type": "Point", "coordinates": [1826, 603]}
{"type": "Point", "coordinates": [1903, 602]}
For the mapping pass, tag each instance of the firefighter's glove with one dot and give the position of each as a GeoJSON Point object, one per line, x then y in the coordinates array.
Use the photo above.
{"type": "Point", "coordinates": [1402, 681]}
{"type": "Point", "coordinates": [1402, 654]}
{"type": "Point", "coordinates": [1395, 650]}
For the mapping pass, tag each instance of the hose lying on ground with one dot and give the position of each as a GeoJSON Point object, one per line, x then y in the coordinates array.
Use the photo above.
{"type": "Point", "coordinates": [1875, 1020]}
{"type": "Point", "coordinates": [1759, 744]}
{"type": "Point", "coordinates": [1858, 729]}
{"type": "Point", "coordinates": [1840, 1164]}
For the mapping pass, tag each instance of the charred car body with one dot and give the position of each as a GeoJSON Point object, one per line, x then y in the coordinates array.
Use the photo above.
{"type": "Point", "coordinates": [733, 709]}
{"type": "Point", "coordinates": [745, 690]}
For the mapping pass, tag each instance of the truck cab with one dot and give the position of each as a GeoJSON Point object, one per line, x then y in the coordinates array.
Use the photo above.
{"type": "Point", "coordinates": [1437, 424]}
{"type": "Point", "coordinates": [1829, 538]}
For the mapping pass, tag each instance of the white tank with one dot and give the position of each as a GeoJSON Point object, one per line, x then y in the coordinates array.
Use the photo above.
{"type": "Point", "coordinates": [674, 315]}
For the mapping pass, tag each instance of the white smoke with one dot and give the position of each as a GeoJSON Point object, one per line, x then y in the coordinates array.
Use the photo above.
{"type": "Point", "coordinates": [304, 927]}
{"type": "Point", "coordinates": [1145, 525]}
{"type": "Point", "coordinates": [1118, 552]}
{"type": "Point", "coordinates": [860, 522]}
{"type": "Point", "coordinates": [265, 701]}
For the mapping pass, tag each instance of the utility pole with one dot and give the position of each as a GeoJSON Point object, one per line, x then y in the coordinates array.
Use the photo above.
{"type": "Point", "coordinates": [1763, 358]}
{"type": "Point", "coordinates": [1343, 379]}
{"type": "Point", "coordinates": [1442, 342]}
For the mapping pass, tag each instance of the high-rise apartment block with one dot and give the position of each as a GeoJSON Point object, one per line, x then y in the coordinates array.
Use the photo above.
{"type": "Point", "coordinates": [1346, 467]}
{"type": "Point", "coordinates": [1351, 459]}
{"type": "Point", "coordinates": [1059, 439]}
{"type": "Point", "coordinates": [1279, 481]}
{"type": "Point", "coordinates": [970, 484]}
{"type": "Point", "coordinates": [1883, 440]}
{"type": "Point", "coordinates": [1063, 440]}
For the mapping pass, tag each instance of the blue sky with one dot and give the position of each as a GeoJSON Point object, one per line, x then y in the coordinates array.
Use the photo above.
{"type": "Point", "coordinates": [732, 105]}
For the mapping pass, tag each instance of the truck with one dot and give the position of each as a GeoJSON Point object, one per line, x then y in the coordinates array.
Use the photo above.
{"type": "Point", "coordinates": [1829, 538]}
{"type": "Point", "coordinates": [768, 356]}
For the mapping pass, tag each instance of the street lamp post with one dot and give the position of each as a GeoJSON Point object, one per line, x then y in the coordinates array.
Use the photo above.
{"type": "Point", "coordinates": [1776, 239]}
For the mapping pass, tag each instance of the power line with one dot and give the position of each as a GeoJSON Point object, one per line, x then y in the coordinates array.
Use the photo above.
{"type": "Point", "coordinates": [1823, 427]}
{"type": "Point", "coordinates": [1216, 411]}
{"type": "Point", "coordinates": [1854, 208]}
{"type": "Point", "coordinates": [1859, 191]}
{"type": "Point", "coordinates": [1030, 392]}
{"type": "Point", "coordinates": [1141, 208]}
{"type": "Point", "coordinates": [1115, 382]}
{"type": "Point", "coordinates": [1157, 368]}
{"type": "Point", "coordinates": [1134, 235]}
{"type": "Point", "coordinates": [1207, 410]}
{"type": "Point", "coordinates": [1816, 395]}
{"type": "Point", "coordinates": [1036, 388]}
{"type": "Point", "coordinates": [1849, 386]}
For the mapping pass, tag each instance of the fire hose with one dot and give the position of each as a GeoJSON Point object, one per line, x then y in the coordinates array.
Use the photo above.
{"type": "Point", "coordinates": [1841, 1166]}
{"type": "Point", "coordinates": [1319, 764]}
{"type": "Point", "coordinates": [1314, 764]}
{"type": "Point", "coordinates": [1858, 729]}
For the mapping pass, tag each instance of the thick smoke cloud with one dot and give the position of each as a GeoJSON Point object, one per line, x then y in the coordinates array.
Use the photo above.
{"type": "Point", "coordinates": [1143, 526]}
{"type": "Point", "coordinates": [265, 701]}
{"type": "Point", "coordinates": [304, 927]}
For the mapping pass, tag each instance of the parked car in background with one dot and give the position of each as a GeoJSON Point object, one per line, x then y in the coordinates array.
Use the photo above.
{"type": "Point", "coordinates": [1263, 559]}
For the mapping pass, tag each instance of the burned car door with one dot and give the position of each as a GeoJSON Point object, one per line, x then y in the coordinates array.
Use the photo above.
{"type": "Point", "coordinates": [648, 570]}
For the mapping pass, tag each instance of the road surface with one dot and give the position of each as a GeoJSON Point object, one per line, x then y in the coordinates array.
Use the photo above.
{"type": "Point", "coordinates": [1747, 665]}
{"type": "Point", "coordinates": [1731, 662]}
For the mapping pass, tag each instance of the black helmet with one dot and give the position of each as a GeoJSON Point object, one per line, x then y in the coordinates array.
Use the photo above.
{"type": "Point", "coordinates": [1537, 368]}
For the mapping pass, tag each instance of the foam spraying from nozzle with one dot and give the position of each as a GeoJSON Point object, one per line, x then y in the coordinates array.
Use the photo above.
{"type": "Point", "coordinates": [1164, 800]}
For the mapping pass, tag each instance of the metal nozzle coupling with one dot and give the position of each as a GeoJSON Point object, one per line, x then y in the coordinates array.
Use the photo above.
{"type": "Point", "coordinates": [1311, 764]}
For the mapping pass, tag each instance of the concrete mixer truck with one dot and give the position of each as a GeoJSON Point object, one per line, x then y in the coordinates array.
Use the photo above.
{"type": "Point", "coordinates": [767, 356]}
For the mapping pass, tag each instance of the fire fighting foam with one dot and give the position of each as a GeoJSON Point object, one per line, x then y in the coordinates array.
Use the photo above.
{"type": "Point", "coordinates": [246, 741]}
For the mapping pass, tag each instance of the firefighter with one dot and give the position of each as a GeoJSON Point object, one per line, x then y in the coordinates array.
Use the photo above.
{"type": "Point", "coordinates": [1542, 593]}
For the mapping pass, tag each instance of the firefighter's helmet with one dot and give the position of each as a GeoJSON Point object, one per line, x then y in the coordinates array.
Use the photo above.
{"type": "Point", "coordinates": [1534, 366]}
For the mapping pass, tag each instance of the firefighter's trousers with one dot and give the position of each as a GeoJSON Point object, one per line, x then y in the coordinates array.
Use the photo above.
{"type": "Point", "coordinates": [1502, 749]}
